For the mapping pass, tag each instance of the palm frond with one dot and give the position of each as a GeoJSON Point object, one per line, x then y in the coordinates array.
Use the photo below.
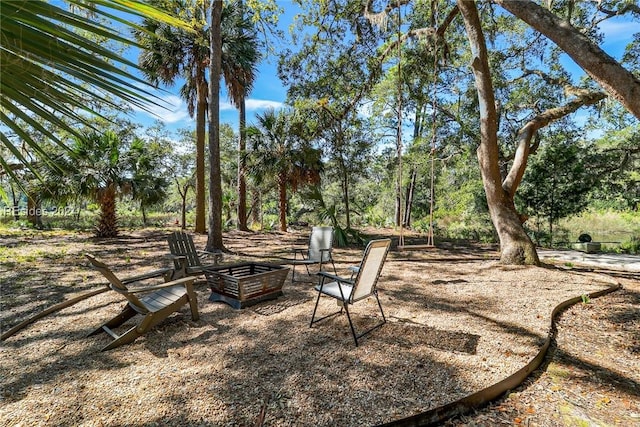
{"type": "Point", "coordinates": [53, 72]}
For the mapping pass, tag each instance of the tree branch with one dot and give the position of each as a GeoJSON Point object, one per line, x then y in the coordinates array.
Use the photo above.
{"type": "Point", "coordinates": [619, 82]}
{"type": "Point", "coordinates": [527, 132]}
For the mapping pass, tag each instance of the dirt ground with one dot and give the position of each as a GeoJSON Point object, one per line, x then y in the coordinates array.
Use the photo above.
{"type": "Point", "coordinates": [458, 322]}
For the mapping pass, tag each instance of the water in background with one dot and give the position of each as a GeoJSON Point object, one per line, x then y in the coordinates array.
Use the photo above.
{"type": "Point", "coordinates": [609, 240]}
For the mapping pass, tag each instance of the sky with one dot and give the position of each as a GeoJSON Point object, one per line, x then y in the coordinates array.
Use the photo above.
{"type": "Point", "coordinates": [268, 91]}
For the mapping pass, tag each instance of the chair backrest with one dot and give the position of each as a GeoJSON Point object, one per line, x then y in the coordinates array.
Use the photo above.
{"type": "Point", "coordinates": [181, 244]}
{"type": "Point", "coordinates": [370, 268]}
{"type": "Point", "coordinates": [320, 238]}
{"type": "Point", "coordinates": [116, 284]}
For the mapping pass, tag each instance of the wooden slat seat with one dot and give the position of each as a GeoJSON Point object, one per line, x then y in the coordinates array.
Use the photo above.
{"type": "Point", "coordinates": [157, 303]}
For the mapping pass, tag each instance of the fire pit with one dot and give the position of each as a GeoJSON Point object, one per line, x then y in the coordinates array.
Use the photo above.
{"type": "Point", "coordinates": [245, 284]}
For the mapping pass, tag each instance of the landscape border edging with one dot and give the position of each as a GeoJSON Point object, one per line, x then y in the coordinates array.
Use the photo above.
{"type": "Point", "coordinates": [464, 405]}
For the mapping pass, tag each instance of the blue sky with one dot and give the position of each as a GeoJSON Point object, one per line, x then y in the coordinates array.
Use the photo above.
{"type": "Point", "coordinates": [268, 91]}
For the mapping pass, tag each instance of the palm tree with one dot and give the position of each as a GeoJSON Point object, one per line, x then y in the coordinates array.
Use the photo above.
{"type": "Point", "coordinates": [240, 56]}
{"type": "Point", "coordinates": [275, 153]}
{"type": "Point", "coordinates": [148, 176]}
{"type": "Point", "coordinates": [214, 236]}
{"type": "Point", "coordinates": [170, 53]}
{"type": "Point", "coordinates": [99, 174]}
{"type": "Point", "coordinates": [52, 69]}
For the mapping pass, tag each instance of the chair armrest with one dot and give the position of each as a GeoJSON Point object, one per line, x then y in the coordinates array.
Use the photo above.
{"type": "Point", "coordinates": [186, 281]}
{"type": "Point", "coordinates": [209, 253]}
{"type": "Point", "coordinates": [300, 251]}
{"type": "Point", "coordinates": [217, 256]}
{"type": "Point", "coordinates": [325, 251]}
{"type": "Point", "coordinates": [145, 276]}
{"type": "Point", "coordinates": [334, 277]}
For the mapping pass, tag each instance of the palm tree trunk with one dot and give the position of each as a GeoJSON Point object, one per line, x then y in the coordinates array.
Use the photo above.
{"type": "Point", "coordinates": [256, 208]}
{"type": "Point", "coordinates": [282, 200]}
{"type": "Point", "coordinates": [242, 183]}
{"type": "Point", "coordinates": [214, 238]}
{"type": "Point", "coordinates": [201, 122]}
{"type": "Point", "coordinates": [108, 223]}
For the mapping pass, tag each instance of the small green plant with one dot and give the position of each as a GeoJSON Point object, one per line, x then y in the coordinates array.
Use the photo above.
{"type": "Point", "coordinates": [632, 246]}
{"type": "Point", "coordinates": [568, 264]}
{"type": "Point", "coordinates": [585, 299]}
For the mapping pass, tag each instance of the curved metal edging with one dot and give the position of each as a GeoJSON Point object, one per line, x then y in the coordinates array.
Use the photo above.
{"type": "Point", "coordinates": [53, 308]}
{"type": "Point", "coordinates": [473, 401]}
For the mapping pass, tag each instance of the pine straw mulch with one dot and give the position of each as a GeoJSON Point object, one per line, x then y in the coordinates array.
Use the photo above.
{"type": "Point", "coordinates": [457, 322]}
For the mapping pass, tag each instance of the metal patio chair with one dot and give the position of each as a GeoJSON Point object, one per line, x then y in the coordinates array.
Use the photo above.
{"type": "Point", "coordinates": [351, 291]}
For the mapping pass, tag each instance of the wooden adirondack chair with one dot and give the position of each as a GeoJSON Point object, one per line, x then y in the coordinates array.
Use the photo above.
{"type": "Point", "coordinates": [350, 291]}
{"type": "Point", "coordinates": [186, 258]}
{"type": "Point", "coordinates": [156, 305]}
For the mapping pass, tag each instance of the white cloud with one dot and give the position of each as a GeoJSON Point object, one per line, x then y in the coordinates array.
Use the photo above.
{"type": "Point", "coordinates": [252, 105]}
{"type": "Point", "coordinates": [262, 104]}
{"type": "Point", "coordinates": [175, 110]}
{"type": "Point", "coordinates": [226, 106]}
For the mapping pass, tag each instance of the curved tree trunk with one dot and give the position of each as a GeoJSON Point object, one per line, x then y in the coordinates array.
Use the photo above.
{"type": "Point", "coordinates": [515, 245]}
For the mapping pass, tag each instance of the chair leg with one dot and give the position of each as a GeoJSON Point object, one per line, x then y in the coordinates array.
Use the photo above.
{"type": "Point", "coordinates": [126, 314]}
{"type": "Point", "coordinates": [353, 330]}
{"type": "Point", "coordinates": [315, 309]}
{"type": "Point", "coordinates": [384, 319]}
{"type": "Point", "coordinates": [193, 302]}
{"type": "Point", "coordinates": [125, 338]}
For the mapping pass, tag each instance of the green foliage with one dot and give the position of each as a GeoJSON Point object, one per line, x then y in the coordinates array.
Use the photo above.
{"type": "Point", "coordinates": [632, 246]}
{"type": "Point", "coordinates": [557, 181]}
{"type": "Point", "coordinates": [617, 163]}
{"type": "Point", "coordinates": [43, 43]}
